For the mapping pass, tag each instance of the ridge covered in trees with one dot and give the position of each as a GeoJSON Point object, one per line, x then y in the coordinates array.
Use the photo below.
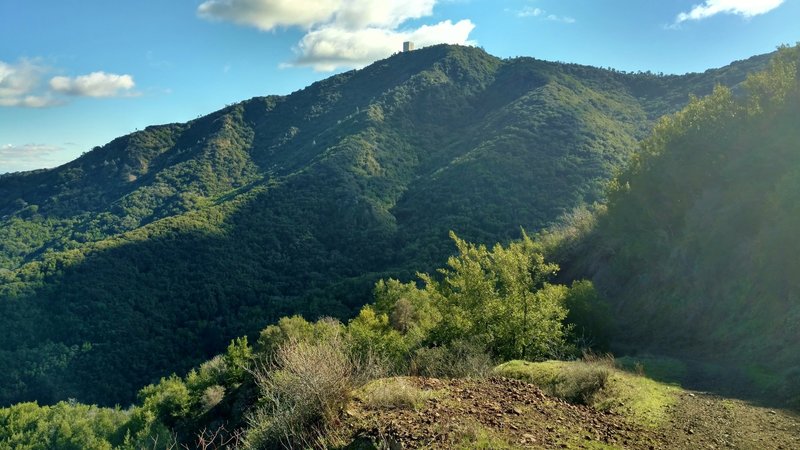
{"type": "Point", "coordinates": [697, 251]}
{"type": "Point", "coordinates": [289, 388]}
{"type": "Point", "coordinates": [147, 255]}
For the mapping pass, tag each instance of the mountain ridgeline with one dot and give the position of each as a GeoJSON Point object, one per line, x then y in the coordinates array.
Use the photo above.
{"type": "Point", "coordinates": [147, 255]}
{"type": "Point", "coordinates": [698, 250]}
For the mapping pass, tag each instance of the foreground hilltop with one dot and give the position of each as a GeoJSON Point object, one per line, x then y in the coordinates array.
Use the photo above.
{"type": "Point", "coordinates": [145, 256]}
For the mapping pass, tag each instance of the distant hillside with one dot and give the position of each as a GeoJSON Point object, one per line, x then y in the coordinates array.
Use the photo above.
{"type": "Point", "coordinates": [147, 255]}
{"type": "Point", "coordinates": [698, 250]}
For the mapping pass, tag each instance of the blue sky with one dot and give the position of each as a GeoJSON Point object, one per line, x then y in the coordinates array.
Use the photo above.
{"type": "Point", "coordinates": [77, 73]}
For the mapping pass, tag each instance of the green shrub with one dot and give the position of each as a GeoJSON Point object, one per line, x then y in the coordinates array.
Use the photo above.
{"type": "Point", "coordinates": [238, 358]}
{"type": "Point", "coordinates": [459, 359]}
{"type": "Point", "coordinates": [501, 295]}
{"type": "Point", "coordinates": [210, 373]}
{"type": "Point", "coordinates": [370, 335]}
{"type": "Point", "coordinates": [212, 396]}
{"type": "Point", "coordinates": [65, 425]}
{"type": "Point", "coordinates": [579, 382]}
{"type": "Point", "coordinates": [295, 329]}
{"type": "Point", "coordinates": [166, 402]}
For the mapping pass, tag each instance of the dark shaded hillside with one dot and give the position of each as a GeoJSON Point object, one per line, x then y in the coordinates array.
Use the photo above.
{"type": "Point", "coordinates": [149, 254]}
{"type": "Point", "coordinates": [698, 251]}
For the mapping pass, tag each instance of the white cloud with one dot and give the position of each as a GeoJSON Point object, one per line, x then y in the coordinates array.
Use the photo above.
{"type": "Point", "coordinates": [269, 14]}
{"type": "Point", "coordinates": [18, 79]}
{"type": "Point", "coordinates": [95, 84]}
{"type": "Point", "coordinates": [356, 14]}
{"type": "Point", "coordinates": [563, 19]}
{"type": "Point", "coordinates": [744, 8]}
{"type": "Point", "coordinates": [20, 82]}
{"type": "Point", "coordinates": [30, 101]}
{"type": "Point", "coordinates": [445, 32]}
{"type": "Point", "coordinates": [530, 11]}
{"type": "Point", "coordinates": [342, 33]}
{"type": "Point", "coordinates": [15, 158]}
{"type": "Point", "coordinates": [329, 48]}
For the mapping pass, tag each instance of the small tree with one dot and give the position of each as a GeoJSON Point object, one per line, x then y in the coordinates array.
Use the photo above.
{"type": "Point", "coordinates": [498, 296]}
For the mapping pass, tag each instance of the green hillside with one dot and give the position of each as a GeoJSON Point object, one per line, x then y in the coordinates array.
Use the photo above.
{"type": "Point", "coordinates": [697, 250]}
{"type": "Point", "coordinates": [147, 255]}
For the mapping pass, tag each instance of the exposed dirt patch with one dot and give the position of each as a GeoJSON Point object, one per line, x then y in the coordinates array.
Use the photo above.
{"type": "Point", "coordinates": [497, 412]}
{"type": "Point", "coordinates": [705, 421]}
{"type": "Point", "coordinates": [500, 413]}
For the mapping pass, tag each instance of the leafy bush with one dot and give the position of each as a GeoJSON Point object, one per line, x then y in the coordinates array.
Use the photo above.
{"type": "Point", "coordinates": [210, 373]}
{"type": "Point", "coordinates": [295, 329]}
{"type": "Point", "coordinates": [237, 358]}
{"type": "Point", "coordinates": [500, 296]}
{"type": "Point", "coordinates": [166, 402]}
{"type": "Point", "coordinates": [371, 335]}
{"type": "Point", "coordinates": [65, 425]}
{"type": "Point", "coordinates": [459, 359]}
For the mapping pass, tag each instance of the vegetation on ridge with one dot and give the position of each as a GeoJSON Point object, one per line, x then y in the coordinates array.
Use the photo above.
{"type": "Point", "coordinates": [293, 384]}
{"type": "Point", "coordinates": [696, 251]}
{"type": "Point", "coordinates": [147, 255]}
{"type": "Point", "coordinates": [312, 384]}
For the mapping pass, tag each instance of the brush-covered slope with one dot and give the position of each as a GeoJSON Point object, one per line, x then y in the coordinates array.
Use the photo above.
{"type": "Point", "coordinates": [147, 255]}
{"type": "Point", "coordinates": [698, 250]}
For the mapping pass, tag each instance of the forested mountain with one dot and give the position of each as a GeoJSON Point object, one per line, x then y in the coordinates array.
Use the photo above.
{"type": "Point", "coordinates": [698, 250]}
{"type": "Point", "coordinates": [147, 255]}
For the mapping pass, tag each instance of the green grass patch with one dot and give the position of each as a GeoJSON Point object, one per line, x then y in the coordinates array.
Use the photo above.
{"type": "Point", "coordinates": [473, 435]}
{"type": "Point", "coordinates": [642, 399]}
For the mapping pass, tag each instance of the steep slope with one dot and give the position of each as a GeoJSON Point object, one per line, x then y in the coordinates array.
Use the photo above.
{"type": "Point", "coordinates": [697, 251]}
{"type": "Point", "coordinates": [147, 255]}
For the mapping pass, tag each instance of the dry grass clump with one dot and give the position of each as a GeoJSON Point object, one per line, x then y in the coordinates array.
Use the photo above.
{"type": "Point", "coordinates": [398, 392]}
{"type": "Point", "coordinates": [584, 383]}
{"type": "Point", "coordinates": [303, 393]}
{"type": "Point", "coordinates": [581, 382]}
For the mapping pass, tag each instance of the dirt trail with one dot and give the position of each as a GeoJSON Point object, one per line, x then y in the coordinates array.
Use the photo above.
{"type": "Point", "coordinates": [706, 421]}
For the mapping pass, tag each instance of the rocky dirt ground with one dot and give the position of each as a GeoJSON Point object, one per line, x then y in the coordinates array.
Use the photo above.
{"type": "Point", "coordinates": [706, 421]}
{"type": "Point", "coordinates": [511, 414]}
